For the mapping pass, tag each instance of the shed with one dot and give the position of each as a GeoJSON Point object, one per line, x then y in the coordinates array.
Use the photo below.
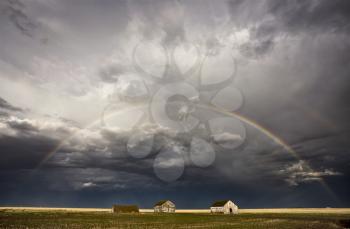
{"type": "Point", "coordinates": [224, 207]}
{"type": "Point", "coordinates": [164, 206]}
{"type": "Point", "coordinates": [125, 208]}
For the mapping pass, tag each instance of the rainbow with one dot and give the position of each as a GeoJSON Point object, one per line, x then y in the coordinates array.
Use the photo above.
{"type": "Point", "coordinates": [242, 118]}
{"type": "Point", "coordinates": [274, 138]}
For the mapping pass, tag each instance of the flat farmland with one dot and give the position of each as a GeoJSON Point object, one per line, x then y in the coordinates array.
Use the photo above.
{"type": "Point", "coordinates": [103, 218]}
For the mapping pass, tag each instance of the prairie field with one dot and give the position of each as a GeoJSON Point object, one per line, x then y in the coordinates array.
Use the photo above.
{"type": "Point", "coordinates": [102, 218]}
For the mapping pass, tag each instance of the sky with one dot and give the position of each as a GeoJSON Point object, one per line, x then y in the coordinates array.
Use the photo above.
{"type": "Point", "coordinates": [131, 102]}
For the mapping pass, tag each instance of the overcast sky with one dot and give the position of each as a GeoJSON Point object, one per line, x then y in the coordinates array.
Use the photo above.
{"type": "Point", "coordinates": [105, 102]}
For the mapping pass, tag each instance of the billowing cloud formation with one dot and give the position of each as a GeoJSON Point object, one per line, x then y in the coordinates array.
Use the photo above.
{"type": "Point", "coordinates": [270, 20]}
{"type": "Point", "coordinates": [297, 173]}
{"type": "Point", "coordinates": [67, 71]}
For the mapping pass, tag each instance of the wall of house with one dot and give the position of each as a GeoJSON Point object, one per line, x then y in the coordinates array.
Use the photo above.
{"type": "Point", "coordinates": [166, 207]}
{"type": "Point", "coordinates": [230, 205]}
{"type": "Point", "coordinates": [217, 209]}
{"type": "Point", "coordinates": [225, 209]}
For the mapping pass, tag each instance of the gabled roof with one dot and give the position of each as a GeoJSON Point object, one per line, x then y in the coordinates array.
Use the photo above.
{"type": "Point", "coordinates": [160, 203]}
{"type": "Point", "coordinates": [125, 208]}
{"type": "Point", "coordinates": [220, 203]}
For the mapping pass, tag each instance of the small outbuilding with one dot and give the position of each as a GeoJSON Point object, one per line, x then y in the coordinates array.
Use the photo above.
{"type": "Point", "coordinates": [125, 208]}
{"type": "Point", "coordinates": [224, 207]}
{"type": "Point", "coordinates": [164, 206]}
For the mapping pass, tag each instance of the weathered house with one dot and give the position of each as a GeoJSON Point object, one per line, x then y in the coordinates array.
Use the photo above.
{"type": "Point", "coordinates": [224, 206]}
{"type": "Point", "coordinates": [164, 206]}
{"type": "Point", "coordinates": [125, 209]}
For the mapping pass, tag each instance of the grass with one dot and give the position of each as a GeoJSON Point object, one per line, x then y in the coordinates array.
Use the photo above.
{"type": "Point", "coordinates": [67, 219]}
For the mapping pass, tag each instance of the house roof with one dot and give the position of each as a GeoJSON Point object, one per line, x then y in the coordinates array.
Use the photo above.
{"type": "Point", "coordinates": [126, 208]}
{"type": "Point", "coordinates": [161, 202]}
{"type": "Point", "coordinates": [220, 203]}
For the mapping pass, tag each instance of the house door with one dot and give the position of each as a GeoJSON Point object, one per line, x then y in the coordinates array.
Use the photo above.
{"type": "Point", "coordinates": [230, 210]}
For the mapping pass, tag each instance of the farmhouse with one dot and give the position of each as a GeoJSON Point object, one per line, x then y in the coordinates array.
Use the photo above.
{"type": "Point", "coordinates": [125, 209]}
{"type": "Point", "coordinates": [164, 206]}
{"type": "Point", "coordinates": [224, 206]}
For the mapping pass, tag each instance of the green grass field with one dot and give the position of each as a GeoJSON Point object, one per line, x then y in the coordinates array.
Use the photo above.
{"type": "Point", "coordinates": [68, 219]}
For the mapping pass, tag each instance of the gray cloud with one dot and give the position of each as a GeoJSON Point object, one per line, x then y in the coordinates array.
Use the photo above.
{"type": "Point", "coordinates": [15, 11]}
{"type": "Point", "coordinates": [21, 125]}
{"type": "Point", "coordinates": [159, 18]}
{"type": "Point", "coordinates": [312, 16]}
{"type": "Point", "coordinates": [270, 20]}
{"type": "Point", "coordinates": [111, 73]}
{"type": "Point", "coordinates": [299, 172]}
{"type": "Point", "coordinates": [6, 106]}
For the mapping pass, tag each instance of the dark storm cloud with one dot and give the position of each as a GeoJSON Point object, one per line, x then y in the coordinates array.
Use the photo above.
{"type": "Point", "coordinates": [90, 161]}
{"type": "Point", "coordinates": [326, 152]}
{"type": "Point", "coordinates": [15, 11]}
{"type": "Point", "coordinates": [33, 140]}
{"type": "Point", "coordinates": [302, 112]}
{"type": "Point", "coordinates": [26, 143]}
{"type": "Point", "coordinates": [293, 15]}
{"type": "Point", "coordinates": [312, 16]}
{"type": "Point", "coordinates": [312, 106]}
{"type": "Point", "coordinates": [21, 126]}
{"type": "Point", "coordinates": [111, 73]}
{"type": "Point", "coordinates": [5, 105]}
{"type": "Point", "coordinates": [271, 19]}
{"type": "Point", "coordinates": [22, 144]}
{"type": "Point", "coordinates": [24, 152]}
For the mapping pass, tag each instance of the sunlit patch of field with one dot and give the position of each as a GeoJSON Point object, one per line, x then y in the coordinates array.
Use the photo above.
{"type": "Point", "coordinates": [241, 211]}
{"type": "Point", "coordinates": [103, 218]}
{"type": "Point", "coordinates": [55, 209]}
{"type": "Point", "coordinates": [298, 210]}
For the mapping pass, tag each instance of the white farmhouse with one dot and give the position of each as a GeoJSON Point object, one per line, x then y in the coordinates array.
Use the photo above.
{"type": "Point", "coordinates": [224, 206]}
{"type": "Point", "coordinates": [164, 206]}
